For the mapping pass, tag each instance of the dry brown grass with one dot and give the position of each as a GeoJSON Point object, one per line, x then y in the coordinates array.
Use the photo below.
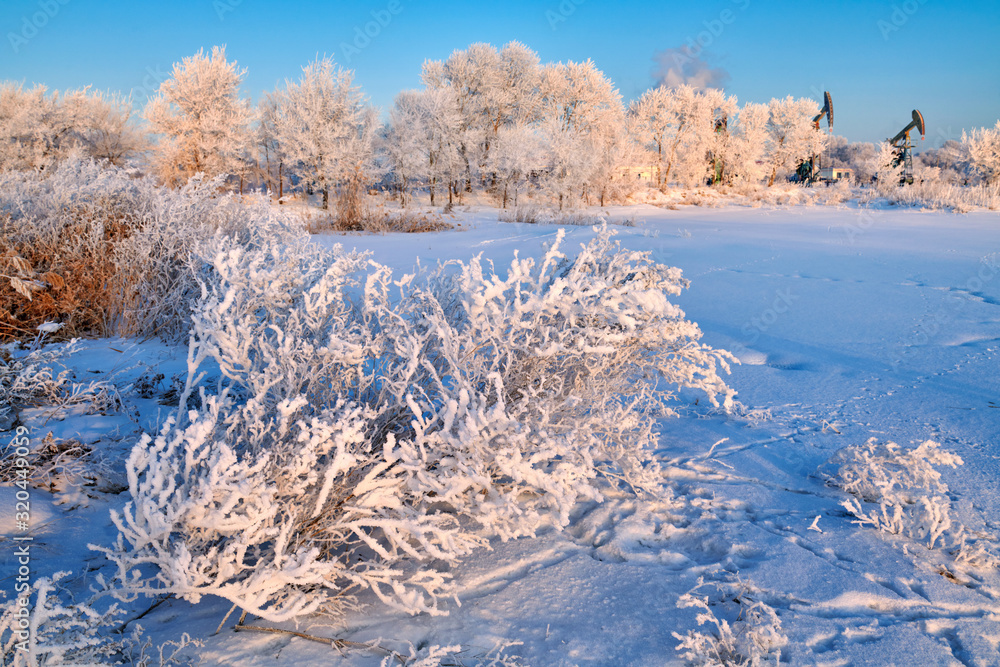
{"type": "Point", "coordinates": [106, 253]}
{"type": "Point", "coordinates": [65, 273]}
{"type": "Point", "coordinates": [380, 220]}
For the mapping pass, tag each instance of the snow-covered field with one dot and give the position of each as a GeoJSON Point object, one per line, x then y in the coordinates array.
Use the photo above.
{"type": "Point", "coordinates": [850, 324]}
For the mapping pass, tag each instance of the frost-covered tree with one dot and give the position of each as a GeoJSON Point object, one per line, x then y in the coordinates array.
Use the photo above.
{"type": "Point", "coordinates": [951, 161]}
{"type": "Point", "coordinates": [107, 129]}
{"type": "Point", "coordinates": [982, 146]}
{"type": "Point", "coordinates": [583, 119]}
{"type": "Point", "coordinates": [516, 152]}
{"type": "Point", "coordinates": [492, 88]}
{"type": "Point", "coordinates": [402, 143]}
{"type": "Point", "coordinates": [27, 141]}
{"type": "Point", "coordinates": [677, 129]}
{"type": "Point", "coordinates": [203, 123]}
{"type": "Point", "coordinates": [268, 144]}
{"type": "Point", "coordinates": [748, 145]}
{"type": "Point", "coordinates": [326, 128]}
{"type": "Point", "coordinates": [38, 129]}
{"type": "Point", "coordinates": [793, 137]}
{"type": "Point", "coordinates": [885, 166]}
{"type": "Point", "coordinates": [652, 117]}
{"type": "Point", "coordinates": [423, 141]}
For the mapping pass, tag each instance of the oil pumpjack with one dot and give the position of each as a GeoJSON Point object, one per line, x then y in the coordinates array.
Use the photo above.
{"type": "Point", "coordinates": [718, 166]}
{"type": "Point", "coordinates": [903, 147]}
{"type": "Point", "coordinates": [808, 171]}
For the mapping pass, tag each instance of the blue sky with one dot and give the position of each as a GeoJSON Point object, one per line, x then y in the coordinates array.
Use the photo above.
{"type": "Point", "coordinates": [878, 59]}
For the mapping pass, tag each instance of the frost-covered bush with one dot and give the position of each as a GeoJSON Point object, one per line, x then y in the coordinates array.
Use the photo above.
{"type": "Point", "coordinates": [526, 390]}
{"type": "Point", "coordinates": [935, 193]}
{"type": "Point", "coordinates": [43, 627]}
{"type": "Point", "coordinates": [35, 378]}
{"type": "Point", "coordinates": [453, 656]}
{"type": "Point", "coordinates": [906, 486]}
{"type": "Point", "coordinates": [363, 426]}
{"type": "Point", "coordinates": [52, 631]}
{"type": "Point", "coordinates": [752, 639]}
{"type": "Point", "coordinates": [539, 215]}
{"type": "Point", "coordinates": [103, 252]}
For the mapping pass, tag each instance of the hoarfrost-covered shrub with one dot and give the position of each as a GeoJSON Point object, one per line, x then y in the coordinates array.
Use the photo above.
{"type": "Point", "coordinates": [104, 253]}
{"type": "Point", "coordinates": [526, 391]}
{"type": "Point", "coordinates": [752, 639]}
{"type": "Point", "coordinates": [51, 630]}
{"type": "Point", "coordinates": [364, 426]}
{"type": "Point", "coordinates": [904, 484]}
{"type": "Point", "coordinates": [35, 378]}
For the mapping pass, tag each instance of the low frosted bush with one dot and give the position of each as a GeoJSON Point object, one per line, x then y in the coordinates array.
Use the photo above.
{"type": "Point", "coordinates": [105, 253]}
{"type": "Point", "coordinates": [364, 427]}
{"type": "Point", "coordinates": [546, 216]}
{"type": "Point", "coordinates": [906, 486]}
{"type": "Point", "coordinates": [37, 377]}
{"type": "Point", "coordinates": [281, 494]}
{"type": "Point", "coordinates": [44, 627]}
{"type": "Point", "coordinates": [525, 390]}
{"type": "Point", "coordinates": [750, 637]}
{"type": "Point", "coordinates": [935, 194]}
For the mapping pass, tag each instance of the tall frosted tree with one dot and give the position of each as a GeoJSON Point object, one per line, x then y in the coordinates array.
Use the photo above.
{"type": "Point", "coordinates": [326, 129]}
{"type": "Point", "coordinates": [203, 123]}
{"type": "Point", "coordinates": [493, 89]}
{"type": "Point", "coordinates": [748, 145]}
{"type": "Point", "coordinates": [107, 129]}
{"type": "Point", "coordinates": [792, 136]}
{"type": "Point", "coordinates": [268, 144]}
{"type": "Point", "coordinates": [403, 143]}
{"type": "Point", "coordinates": [515, 153]}
{"type": "Point", "coordinates": [982, 146]}
{"type": "Point", "coordinates": [29, 128]}
{"type": "Point", "coordinates": [424, 141]}
{"type": "Point", "coordinates": [38, 129]}
{"type": "Point", "coordinates": [582, 117]}
{"type": "Point", "coordinates": [678, 127]}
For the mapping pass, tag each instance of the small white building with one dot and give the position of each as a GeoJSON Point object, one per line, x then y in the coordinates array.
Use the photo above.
{"type": "Point", "coordinates": [834, 174]}
{"type": "Point", "coordinates": [640, 173]}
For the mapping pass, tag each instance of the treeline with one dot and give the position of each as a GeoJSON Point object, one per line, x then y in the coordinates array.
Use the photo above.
{"type": "Point", "coordinates": [489, 120]}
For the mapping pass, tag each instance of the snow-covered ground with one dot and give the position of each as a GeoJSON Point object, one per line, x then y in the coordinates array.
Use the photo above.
{"type": "Point", "coordinates": [850, 324]}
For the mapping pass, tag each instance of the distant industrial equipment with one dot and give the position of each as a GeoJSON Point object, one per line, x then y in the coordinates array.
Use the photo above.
{"type": "Point", "coordinates": [903, 148]}
{"type": "Point", "coordinates": [808, 171]}
{"type": "Point", "coordinates": [718, 166]}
